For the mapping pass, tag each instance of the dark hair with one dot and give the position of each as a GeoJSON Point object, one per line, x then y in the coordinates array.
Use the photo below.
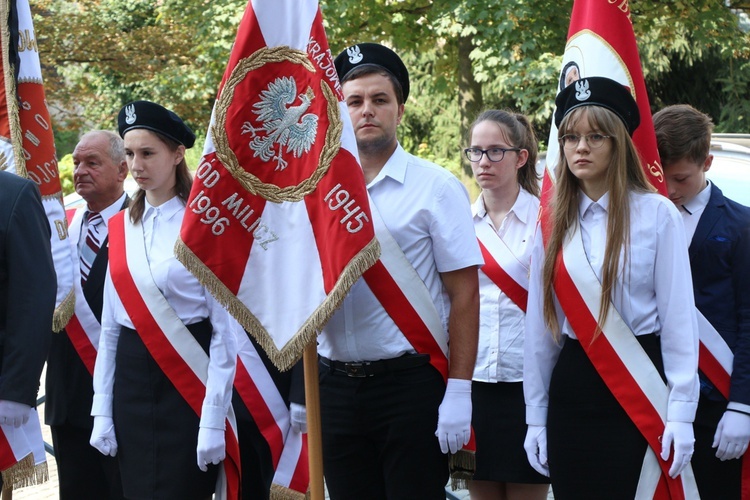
{"type": "Point", "coordinates": [682, 132]}
{"type": "Point", "coordinates": [183, 182]}
{"type": "Point", "coordinates": [521, 135]}
{"type": "Point", "coordinates": [374, 69]}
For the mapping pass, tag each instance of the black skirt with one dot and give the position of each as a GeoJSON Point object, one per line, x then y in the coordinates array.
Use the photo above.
{"type": "Point", "coordinates": [499, 422]}
{"type": "Point", "coordinates": [595, 451]}
{"type": "Point", "coordinates": [156, 429]}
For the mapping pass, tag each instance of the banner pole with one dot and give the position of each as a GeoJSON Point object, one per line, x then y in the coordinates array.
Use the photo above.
{"type": "Point", "coordinates": [314, 432]}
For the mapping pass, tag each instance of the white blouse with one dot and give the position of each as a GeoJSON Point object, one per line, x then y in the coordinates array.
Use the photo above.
{"type": "Point", "coordinates": [192, 303]}
{"type": "Point", "coordinates": [653, 294]}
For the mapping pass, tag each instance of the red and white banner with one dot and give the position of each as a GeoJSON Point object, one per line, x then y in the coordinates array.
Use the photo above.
{"type": "Point", "coordinates": [278, 224]}
{"type": "Point", "coordinates": [27, 145]}
{"type": "Point", "coordinates": [271, 414]}
{"type": "Point", "coordinates": [601, 42]}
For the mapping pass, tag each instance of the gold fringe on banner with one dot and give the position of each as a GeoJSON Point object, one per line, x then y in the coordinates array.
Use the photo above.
{"type": "Point", "coordinates": [283, 493]}
{"type": "Point", "coordinates": [285, 357]}
{"type": "Point", "coordinates": [64, 312]}
{"type": "Point", "coordinates": [462, 467]}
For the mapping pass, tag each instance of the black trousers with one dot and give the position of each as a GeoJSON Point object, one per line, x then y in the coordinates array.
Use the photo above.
{"type": "Point", "coordinates": [255, 455]}
{"type": "Point", "coordinates": [379, 435]}
{"type": "Point", "coordinates": [83, 473]}
{"type": "Point", "coordinates": [716, 480]}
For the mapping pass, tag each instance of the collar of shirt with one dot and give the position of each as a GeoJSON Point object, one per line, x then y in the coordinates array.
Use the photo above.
{"type": "Point", "coordinates": [395, 167]}
{"type": "Point", "coordinates": [585, 203]}
{"type": "Point", "coordinates": [112, 210]}
{"type": "Point", "coordinates": [699, 201]}
{"type": "Point", "coordinates": [167, 210]}
{"type": "Point", "coordinates": [520, 208]}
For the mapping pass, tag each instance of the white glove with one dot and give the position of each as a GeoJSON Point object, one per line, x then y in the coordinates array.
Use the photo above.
{"type": "Point", "coordinates": [12, 413]}
{"type": "Point", "coordinates": [211, 447]}
{"type": "Point", "coordinates": [535, 445]}
{"type": "Point", "coordinates": [681, 434]}
{"type": "Point", "coordinates": [732, 435]}
{"type": "Point", "coordinates": [298, 416]}
{"type": "Point", "coordinates": [103, 436]}
{"type": "Point", "coordinates": [454, 416]}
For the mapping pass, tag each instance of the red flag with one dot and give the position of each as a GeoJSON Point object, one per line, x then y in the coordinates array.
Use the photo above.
{"type": "Point", "coordinates": [27, 148]}
{"type": "Point", "coordinates": [601, 42]}
{"type": "Point", "coordinates": [278, 224]}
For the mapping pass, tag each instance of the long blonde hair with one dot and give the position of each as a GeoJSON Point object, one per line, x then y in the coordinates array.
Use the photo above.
{"type": "Point", "coordinates": [624, 174]}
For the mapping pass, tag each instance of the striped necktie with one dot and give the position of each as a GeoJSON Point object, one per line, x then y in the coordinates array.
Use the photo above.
{"type": "Point", "coordinates": [91, 244]}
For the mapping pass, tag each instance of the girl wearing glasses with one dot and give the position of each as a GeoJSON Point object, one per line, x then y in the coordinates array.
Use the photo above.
{"type": "Point", "coordinates": [610, 362]}
{"type": "Point", "coordinates": [503, 152]}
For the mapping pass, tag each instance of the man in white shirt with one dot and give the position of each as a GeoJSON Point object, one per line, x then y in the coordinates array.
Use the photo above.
{"type": "Point", "coordinates": [99, 173]}
{"type": "Point", "coordinates": [386, 433]}
{"type": "Point", "coordinates": [718, 234]}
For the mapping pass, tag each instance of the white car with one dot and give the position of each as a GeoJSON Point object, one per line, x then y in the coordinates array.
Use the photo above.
{"type": "Point", "coordinates": [730, 170]}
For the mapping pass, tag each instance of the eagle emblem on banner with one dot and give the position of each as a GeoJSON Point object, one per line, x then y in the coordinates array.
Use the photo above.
{"type": "Point", "coordinates": [284, 123]}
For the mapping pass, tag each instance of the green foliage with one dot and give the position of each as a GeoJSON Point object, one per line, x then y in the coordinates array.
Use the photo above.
{"type": "Point", "coordinates": [463, 55]}
{"type": "Point", "coordinates": [65, 167]}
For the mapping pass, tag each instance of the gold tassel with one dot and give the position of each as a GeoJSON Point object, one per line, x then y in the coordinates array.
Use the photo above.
{"type": "Point", "coordinates": [19, 474]}
{"type": "Point", "coordinates": [462, 467]}
{"type": "Point", "coordinates": [64, 311]}
{"type": "Point", "coordinates": [284, 493]}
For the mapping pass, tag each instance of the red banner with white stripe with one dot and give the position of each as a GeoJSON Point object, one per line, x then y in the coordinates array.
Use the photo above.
{"type": "Point", "coordinates": [279, 203]}
{"type": "Point", "coordinates": [27, 145]}
{"type": "Point", "coordinates": [271, 414]}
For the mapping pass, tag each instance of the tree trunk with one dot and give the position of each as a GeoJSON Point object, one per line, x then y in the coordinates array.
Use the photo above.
{"type": "Point", "coordinates": [469, 92]}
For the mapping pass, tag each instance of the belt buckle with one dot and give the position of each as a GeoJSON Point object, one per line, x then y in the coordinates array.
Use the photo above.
{"type": "Point", "coordinates": [356, 370]}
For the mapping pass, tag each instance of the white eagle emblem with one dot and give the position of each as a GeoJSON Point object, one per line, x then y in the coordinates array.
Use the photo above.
{"type": "Point", "coordinates": [130, 114]}
{"type": "Point", "coordinates": [582, 90]}
{"type": "Point", "coordinates": [283, 124]}
{"type": "Point", "coordinates": [355, 55]}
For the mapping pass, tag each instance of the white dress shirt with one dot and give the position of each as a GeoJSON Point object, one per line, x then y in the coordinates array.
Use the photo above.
{"type": "Point", "coordinates": [693, 209]}
{"type": "Point", "coordinates": [427, 211]}
{"type": "Point", "coordinates": [653, 294]}
{"type": "Point", "coordinates": [190, 301]}
{"type": "Point", "coordinates": [103, 229]}
{"type": "Point", "coordinates": [501, 321]}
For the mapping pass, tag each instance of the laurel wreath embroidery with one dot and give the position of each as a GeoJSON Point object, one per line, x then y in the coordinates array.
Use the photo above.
{"type": "Point", "coordinates": [250, 182]}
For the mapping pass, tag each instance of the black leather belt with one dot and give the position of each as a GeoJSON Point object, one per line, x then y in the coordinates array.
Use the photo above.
{"type": "Point", "coordinates": [361, 369]}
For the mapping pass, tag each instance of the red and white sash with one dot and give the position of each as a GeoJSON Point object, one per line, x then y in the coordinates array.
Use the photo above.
{"type": "Point", "coordinates": [716, 360]}
{"type": "Point", "coordinates": [405, 297]}
{"type": "Point", "coordinates": [501, 266]}
{"type": "Point", "coordinates": [22, 456]}
{"type": "Point", "coordinates": [623, 365]}
{"type": "Point", "coordinates": [270, 413]}
{"type": "Point", "coordinates": [83, 329]}
{"type": "Point", "coordinates": [168, 341]}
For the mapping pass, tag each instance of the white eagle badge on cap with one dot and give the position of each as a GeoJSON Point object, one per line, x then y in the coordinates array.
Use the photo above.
{"type": "Point", "coordinates": [355, 55]}
{"type": "Point", "coordinates": [582, 90]}
{"type": "Point", "coordinates": [130, 114]}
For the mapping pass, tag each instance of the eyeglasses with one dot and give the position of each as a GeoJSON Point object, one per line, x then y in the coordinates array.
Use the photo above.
{"type": "Point", "coordinates": [493, 154]}
{"type": "Point", "coordinates": [595, 141]}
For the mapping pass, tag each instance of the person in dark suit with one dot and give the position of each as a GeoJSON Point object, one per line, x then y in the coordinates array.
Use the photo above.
{"type": "Point", "coordinates": [28, 286]}
{"type": "Point", "coordinates": [718, 231]}
{"type": "Point", "coordinates": [84, 473]}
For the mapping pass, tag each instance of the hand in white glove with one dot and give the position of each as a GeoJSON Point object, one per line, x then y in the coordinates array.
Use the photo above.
{"type": "Point", "coordinates": [732, 435]}
{"type": "Point", "coordinates": [454, 416]}
{"type": "Point", "coordinates": [681, 434]}
{"type": "Point", "coordinates": [103, 436]}
{"type": "Point", "coordinates": [535, 445]}
{"type": "Point", "coordinates": [12, 413]}
{"type": "Point", "coordinates": [211, 447]}
{"type": "Point", "coordinates": [298, 416]}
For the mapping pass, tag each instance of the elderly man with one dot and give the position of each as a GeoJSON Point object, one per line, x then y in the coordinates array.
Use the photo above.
{"type": "Point", "coordinates": [99, 173]}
